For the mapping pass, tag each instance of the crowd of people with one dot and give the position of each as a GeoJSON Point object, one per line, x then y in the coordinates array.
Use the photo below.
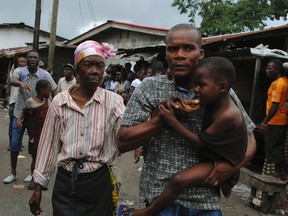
{"type": "Point", "coordinates": [123, 80]}
{"type": "Point", "coordinates": [192, 128]}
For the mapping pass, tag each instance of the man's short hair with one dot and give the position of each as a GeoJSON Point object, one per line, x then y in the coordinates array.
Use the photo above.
{"type": "Point", "coordinates": [185, 26]}
{"type": "Point", "coordinates": [30, 51]}
{"type": "Point", "coordinates": [278, 64]}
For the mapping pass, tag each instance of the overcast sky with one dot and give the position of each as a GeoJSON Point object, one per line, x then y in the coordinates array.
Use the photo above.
{"type": "Point", "coordinates": [78, 16]}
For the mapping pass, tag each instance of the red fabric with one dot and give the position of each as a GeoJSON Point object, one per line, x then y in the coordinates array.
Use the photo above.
{"type": "Point", "coordinates": [34, 118]}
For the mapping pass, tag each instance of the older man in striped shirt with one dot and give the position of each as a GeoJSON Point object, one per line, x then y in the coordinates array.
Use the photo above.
{"type": "Point", "coordinates": [78, 138]}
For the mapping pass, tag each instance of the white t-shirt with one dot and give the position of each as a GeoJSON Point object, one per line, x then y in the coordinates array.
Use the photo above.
{"type": "Point", "coordinates": [63, 84]}
{"type": "Point", "coordinates": [136, 83]}
{"type": "Point", "coordinates": [114, 86]}
{"type": "Point", "coordinates": [125, 87]}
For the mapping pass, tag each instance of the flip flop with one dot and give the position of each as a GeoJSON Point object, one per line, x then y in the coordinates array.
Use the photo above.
{"type": "Point", "coordinates": [124, 210]}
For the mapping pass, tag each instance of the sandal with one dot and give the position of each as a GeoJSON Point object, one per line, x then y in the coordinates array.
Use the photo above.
{"type": "Point", "coordinates": [124, 210]}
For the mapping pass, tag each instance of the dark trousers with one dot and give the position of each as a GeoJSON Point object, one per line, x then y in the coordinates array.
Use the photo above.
{"type": "Point", "coordinates": [275, 138]}
{"type": "Point", "coordinates": [92, 197]}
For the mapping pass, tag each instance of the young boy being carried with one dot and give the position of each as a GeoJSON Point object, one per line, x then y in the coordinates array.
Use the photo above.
{"type": "Point", "coordinates": [33, 115]}
{"type": "Point", "coordinates": [224, 135]}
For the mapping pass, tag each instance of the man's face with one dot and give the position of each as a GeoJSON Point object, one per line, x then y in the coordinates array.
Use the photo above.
{"type": "Point", "coordinates": [67, 71]}
{"type": "Point", "coordinates": [271, 70]}
{"type": "Point", "coordinates": [183, 52]}
{"type": "Point", "coordinates": [32, 59]}
{"type": "Point", "coordinates": [91, 70]}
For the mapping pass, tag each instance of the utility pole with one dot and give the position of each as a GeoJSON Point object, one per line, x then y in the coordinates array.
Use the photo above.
{"type": "Point", "coordinates": [53, 35]}
{"type": "Point", "coordinates": [37, 25]}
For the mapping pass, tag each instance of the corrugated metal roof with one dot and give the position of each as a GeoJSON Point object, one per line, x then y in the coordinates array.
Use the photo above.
{"type": "Point", "coordinates": [206, 40]}
{"type": "Point", "coordinates": [140, 26]}
{"type": "Point", "coordinates": [10, 52]}
{"type": "Point", "coordinates": [110, 24]}
{"type": "Point", "coordinates": [213, 39]}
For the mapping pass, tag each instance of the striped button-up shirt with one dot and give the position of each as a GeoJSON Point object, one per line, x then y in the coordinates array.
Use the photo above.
{"type": "Point", "coordinates": [73, 133]}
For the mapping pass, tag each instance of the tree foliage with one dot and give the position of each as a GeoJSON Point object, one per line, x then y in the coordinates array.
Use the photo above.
{"type": "Point", "coordinates": [232, 16]}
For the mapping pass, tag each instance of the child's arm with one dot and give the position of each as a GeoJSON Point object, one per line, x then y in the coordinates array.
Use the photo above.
{"type": "Point", "coordinates": [168, 115]}
{"type": "Point", "coordinates": [19, 123]}
{"type": "Point", "coordinates": [184, 107]}
{"type": "Point", "coordinates": [220, 125]}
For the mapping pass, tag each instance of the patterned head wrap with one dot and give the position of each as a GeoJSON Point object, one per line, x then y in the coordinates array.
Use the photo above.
{"type": "Point", "coordinates": [90, 47]}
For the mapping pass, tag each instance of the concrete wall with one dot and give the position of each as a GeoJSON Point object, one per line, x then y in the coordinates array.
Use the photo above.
{"type": "Point", "coordinates": [129, 39]}
{"type": "Point", "coordinates": [16, 37]}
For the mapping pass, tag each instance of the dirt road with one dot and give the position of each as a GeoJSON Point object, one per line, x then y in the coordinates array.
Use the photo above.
{"type": "Point", "coordinates": [14, 197]}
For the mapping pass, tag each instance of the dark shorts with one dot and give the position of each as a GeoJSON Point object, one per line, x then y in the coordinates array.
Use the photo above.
{"type": "Point", "coordinates": [275, 138]}
{"type": "Point", "coordinates": [93, 194]}
{"type": "Point", "coordinates": [17, 135]}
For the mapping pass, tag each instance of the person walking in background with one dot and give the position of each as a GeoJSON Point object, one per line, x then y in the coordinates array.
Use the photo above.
{"type": "Point", "coordinates": [34, 114]}
{"type": "Point", "coordinates": [130, 73]}
{"type": "Point", "coordinates": [79, 138]}
{"type": "Point", "coordinates": [224, 138]}
{"type": "Point", "coordinates": [124, 87]}
{"type": "Point", "coordinates": [140, 75]}
{"type": "Point", "coordinates": [157, 68]}
{"type": "Point", "coordinates": [115, 81]}
{"type": "Point", "coordinates": [275, 122]}
{"type": "Point", "coordinates": [25, 78]}
{"type": "Point", "coordinates": [21, 62]}
{"type": "Point", "coordinates": [165, 151]}
{"type": "Point", "coordinates": [68, 80]}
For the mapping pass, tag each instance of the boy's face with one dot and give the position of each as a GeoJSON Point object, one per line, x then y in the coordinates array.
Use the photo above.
{"type": "Point", "coordinates": [205, 86]}
{"type": "Point", "coordinates": [21, 62]}
{"type": "Point", "coordinates": [183, 52]}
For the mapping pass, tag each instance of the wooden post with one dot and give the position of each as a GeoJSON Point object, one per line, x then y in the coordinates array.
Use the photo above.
{"type": "Point", "coordinates": [255, 85]}
{"type": "Point", "coordinates": [53, 35]}
{"type": "Point", "coordinates": [37, 25]}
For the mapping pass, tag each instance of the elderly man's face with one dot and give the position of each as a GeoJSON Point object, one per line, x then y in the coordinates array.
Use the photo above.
{"type": "Point", "coordinates": [91, 70]}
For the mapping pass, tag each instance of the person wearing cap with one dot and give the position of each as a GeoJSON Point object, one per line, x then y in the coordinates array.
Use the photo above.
{"type": "Point", "coordinates": [78, 138]}
{"type": "Point", "coordinates": [68, 80]}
